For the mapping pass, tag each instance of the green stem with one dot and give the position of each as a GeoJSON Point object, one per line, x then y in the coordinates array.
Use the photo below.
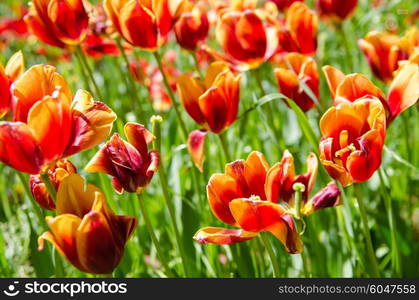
{"type": "Point", "coordinates": [224, 145]}
{"type": "Point", "coordinates": [156, 121]}
{"type": "Point", "coordinates": [265, 239]}
{"type": "Point", "coordinates": [152, 234]}
{"type": "Point", "coordinates": [171, 95]}
{"type": "Point", "coordinates": [345, 42]}
{"type": "Point", "coordinates": [196, 62]}
{"type": "Point", "coordinates": [370, 249]}
{"type": "Point", "coordinates": [50, 187]}
{"type": "Point", "coordinates": [89, 72]}
{"type": "Point", "coordinates": [133, 86]}
{"type": "Point", "coordinates": [395, 255]}
{"type": "Point", "coordinates": [83, 72]}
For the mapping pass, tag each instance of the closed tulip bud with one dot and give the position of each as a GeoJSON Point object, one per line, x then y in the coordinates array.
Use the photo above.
{"type": "Point", "coordinates": [298, 32]}
{"type": "Point", "coordinates": [212, 102]}
{"type": "Point", "coordinates": [144, 23]}
{"type": "Point", "coordinates": [14, 68]}
{"type": "Point", "coordinates": [56, 173]}
{"type": "Point", "coordinates": [86, 231]}
{"type": "Point", "coordinates": [192, 28]}
{"type": "Point", "coordinates": [240, 197]}
{"type": "Point", "coordinates": [49, 123]}
{"type": "Point", "coordinates": [336, 10]}
{"type": "Point", "coordinates": [294, 69]}
{"type": "Point", "coordinates": [384, 51]}
{"type": "Point", "coordinates": [129, 163]}
{"type": "Point", "coordinates": [58, 22]}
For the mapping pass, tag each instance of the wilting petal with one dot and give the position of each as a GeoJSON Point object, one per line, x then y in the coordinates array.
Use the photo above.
{"type": "Point", "coordinates": [92, 123]}
{"type": "Point", "coordinates": [334, 78]}
{"type": "Point", "coordinates": [73, 197]}
{"type": "Point", "coordinates": [329, 196]}
{"type": "Point", "coordinates": [33, 85]}
{"type": "Point", "coordinates": [221, 189]}
{"type": "Point", "coordinates": [138, 136]}
{"type": "Point", "coordinates": [222, 236]}
{"type": "Point", "coordinates": [404, 90]}
{"type": "Point", "coordinates": [63, 237]}
{"type": "Point", "coordinates": [196, 147]}
{"type": "Point", "coordinates": [19, 148]}
{"type": "Point", "coordinates": [286, 232]}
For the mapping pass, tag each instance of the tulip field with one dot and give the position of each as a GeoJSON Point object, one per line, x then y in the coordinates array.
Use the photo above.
{"type": "Point", "coordinates": [209, 138]}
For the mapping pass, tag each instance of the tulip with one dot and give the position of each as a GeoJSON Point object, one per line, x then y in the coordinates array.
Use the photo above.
{"type": "Point", "coordinates": [96, 46]}
{"type": "Point", "coordinates": [284, 4]}
{"type": "Point", "coordinates": [383, 51]}
{"type": "Point", "coordinates": [239, 198]}
{"type": "Point", "coordinates": [296, 68]}
{"type": "Point", "coordinates": [336, 10]}
{"type": "Point", "coordinates": [48, 123]}
{"type": "Point", "coordinates": [86, 231]}
{"type": "Point", "coordinates": [144, 23]}
{"type": "Point", "coordinates": [196, 147]}
{"type": "Point", "coordinates": [248, 38]}
{"type": "Point", "coordinates": [130, 163]}
{"type": "Point", "coordinates": [14, 68]}
{"type": "Point", "coordinates": [402, 94]}
{"type": "Point", "coordinates": [192, 27]}
{"type": "Point", "coordinates": [212, 102]}
{"type": "Point", "coordinates": [353, 135]}
{"type": "Point", "coordinates": [299, 30]}
{"type": "Point", "coordinates": [56, 173]}
{"type": "Point", "coordinates": [58, 22]}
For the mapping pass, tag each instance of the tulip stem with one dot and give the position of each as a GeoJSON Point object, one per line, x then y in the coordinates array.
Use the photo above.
{"type": "Point", "coordinates": [171, 95]}
{"type": "Point", "coordinates": [133, 86]}
{"type": "Point", "coordinates": [348, 56]}
{"type": "Point", "coordinates": [386, 194]}
{"type": "Point", "coordinates": [50, 187]}
{"type": "Point", "coordinates": [196, 62]}
{"type": "Point", "coordinates": [156, 121]}
{"type": "Point", "coordinates": [89, 71]}
{"type": "Point", "coordinates": [370, 249]}
{"type": "Point", "coordinates": [35, 205]}
{"type": "Point", "coordinates": [267, 243]}
{"type": "Point", "coordinates": [152, 234]}
{"type": "Point", "coordinates": [224, 145]}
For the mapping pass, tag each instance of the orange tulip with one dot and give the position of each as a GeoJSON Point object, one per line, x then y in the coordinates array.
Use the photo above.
{"type": "Point", "coordinates": [212, 102]}
{"type": "Point", "coordinates": [239, 198]}
{"type": "Point", "coordinates": [58, 22]}
{"type": "Point", "coordinates": [403, 91]}
{"type": "Point", "coordinates": [192, 27]}
{"type": "Point", "coordinates": [85, 231]}
{"type": "Point", "coordinates": [14, 68]}
{"type": "Point", "coordinates": [130, 163]}
{"type": "Point", "coordinates": [144, 23]}
{"type": "Point", "coordinates": [49, 123]}
{"type": "Point", "coordinates": [336, 10]}
{"type": "Point", "coordinates": [56, 173]}
{"type": "Point", "coordinates": [248, 38]}
{"type": "Point", "coordinates": [353, 135]}
{"type": "Point", "coordinates": [294, 69]}
{"type": "Point", "coordinates": [383, 51]}
{"type": "Point", "coordinates": [299, 30]}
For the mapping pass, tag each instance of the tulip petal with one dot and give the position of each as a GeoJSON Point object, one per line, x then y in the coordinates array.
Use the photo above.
{"type": "Point", "coordinates": [254, 172]}
{"type": "Point", "coordinates": [138, 136]}
{"type": "Point", "coordinates": [334, 78]}
{"type": "Point", "coordinates": [222, 236]}
{"type": "Point", "coordinates": [404, 90]}
{"type": "Point", "coordinates": [19, 148]}
{"type": "Point", "coordinates": [92, 123]}
{"type": "Point", "coordinates": [356, 86]}
{"type": "Point", "coordinates": [196, 147]}
{"type": "Point", "coordinates": [15, 66]}
{"type": "Point", "coordinates": [73, 197]}
{"type": "Point", "coordinates": [280, 178]}
{"type": "Point", "coordinates": [190, 89]}
{"type": "Point", "coordinates": [329, 196]}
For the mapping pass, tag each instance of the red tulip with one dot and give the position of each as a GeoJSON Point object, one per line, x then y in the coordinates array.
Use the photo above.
{"type": "Point", "coordinates": [130, 163]}
{"type": "Point", "coordinates": [284, 4]}
{"type": "Point", "coordinates": [14, 68]}
{"type": "Point", "coordinates": [58, 22]}
{"type": "Point", "coordinates": [336, 10]}
{"type": "Point", "coordinates": [294, 69]}
{"type": "Point", "coordinates": [86, 231]}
